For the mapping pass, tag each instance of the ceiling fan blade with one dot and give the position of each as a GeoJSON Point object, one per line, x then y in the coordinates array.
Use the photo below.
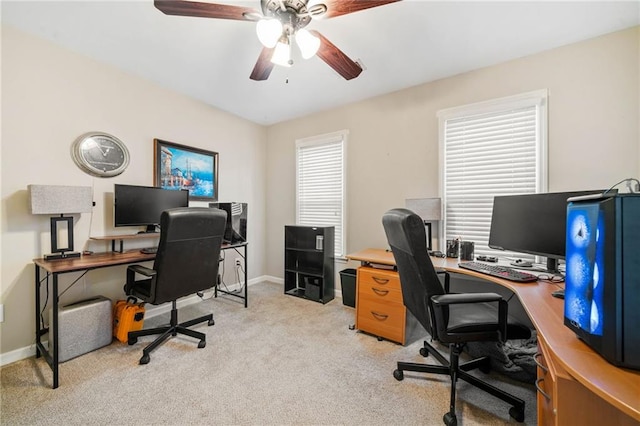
{"type": "Point", "coordinates": [206, 10]}
{"type": "Point", "coordinates": [336, 59]}
{"type": "Point", "coordinates": [343, 7]}
{"type": "Point", "coordinates": [263, 67]}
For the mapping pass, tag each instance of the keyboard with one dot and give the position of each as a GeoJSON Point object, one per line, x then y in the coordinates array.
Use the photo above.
{"type": "Point", "coordinates": [499, 271]}
{"type": "Point", "coordinates": [149, 250]}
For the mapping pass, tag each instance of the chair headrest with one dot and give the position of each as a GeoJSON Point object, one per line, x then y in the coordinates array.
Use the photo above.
{"type": "Point", "coordinates": [398, 224]}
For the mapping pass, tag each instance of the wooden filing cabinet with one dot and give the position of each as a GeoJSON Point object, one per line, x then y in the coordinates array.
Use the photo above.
{"type": "Point", "coordinates": [379, 307]}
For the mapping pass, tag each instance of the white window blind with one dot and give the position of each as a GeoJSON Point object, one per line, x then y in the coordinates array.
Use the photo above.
{"type": "Point", "coordinates": [489, 149]}
{"type": "Point", "coordinates": [320, 184]}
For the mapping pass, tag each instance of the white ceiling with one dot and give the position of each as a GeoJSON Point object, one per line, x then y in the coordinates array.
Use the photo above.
{"type": "Point", "coordinates": [400, 45]}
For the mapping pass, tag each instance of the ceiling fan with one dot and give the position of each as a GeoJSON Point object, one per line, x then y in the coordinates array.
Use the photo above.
{"type": "Point", "coordinates": [280, 22]}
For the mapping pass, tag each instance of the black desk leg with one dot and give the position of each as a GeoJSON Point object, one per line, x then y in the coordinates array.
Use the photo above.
{"type": "Point", "coordinates": [246, 274]}
{"type": "Point", "coordinates": [54, 330]}
{"type": "Point", "coordinates": [37, 311]}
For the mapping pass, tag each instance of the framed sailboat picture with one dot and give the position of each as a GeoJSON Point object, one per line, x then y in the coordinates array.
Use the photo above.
{"type": "Point", "coordinates": [178, 166]}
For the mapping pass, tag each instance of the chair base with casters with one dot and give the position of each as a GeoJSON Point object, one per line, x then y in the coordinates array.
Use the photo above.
{"type": "Point", "coordinates": [173, 329]}
{"type": "Point", "coordinates": [456, 371]}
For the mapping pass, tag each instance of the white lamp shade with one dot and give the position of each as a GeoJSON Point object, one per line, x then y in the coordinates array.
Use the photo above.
{"type": "Point", "coordinates": [282, 54]}
{"type": "Point", "coordinates": [269, 32]}
{"type": "Point", "coordinates": [427, 208]}
{"type": "Point", "coordinates": [58, 199]}
{"type": "Point", "coordinates": [307, 42]}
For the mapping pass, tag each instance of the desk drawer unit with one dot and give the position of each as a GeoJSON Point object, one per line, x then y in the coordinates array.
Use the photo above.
{"type": "Point", "coordinates": [379, 307]}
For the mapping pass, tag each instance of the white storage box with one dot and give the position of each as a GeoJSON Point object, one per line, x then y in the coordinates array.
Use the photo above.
{"type": "Point", "coordinates": [83, 327]}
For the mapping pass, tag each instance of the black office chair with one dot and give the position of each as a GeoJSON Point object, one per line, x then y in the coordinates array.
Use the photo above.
{"type": "Point", "coordinates": [452, 319]}
{"type": "Point", "coordinates": [186, 263]}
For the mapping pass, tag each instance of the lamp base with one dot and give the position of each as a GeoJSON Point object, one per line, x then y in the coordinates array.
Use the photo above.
{"type": "Point", "coordinates": [60, 256]}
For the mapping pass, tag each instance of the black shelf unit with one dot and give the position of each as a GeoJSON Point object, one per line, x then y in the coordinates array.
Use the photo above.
{"type": "Point", "coordinates": [309, 262]}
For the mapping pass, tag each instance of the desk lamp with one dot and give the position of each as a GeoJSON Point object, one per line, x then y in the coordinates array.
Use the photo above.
{"type": "Point", "coordinates": [429, 210]}
{"type": "Point", "coordinates": [60, 200]}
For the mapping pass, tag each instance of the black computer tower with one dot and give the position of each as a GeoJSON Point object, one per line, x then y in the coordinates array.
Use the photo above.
{"type": "Point", "coordinates": [602, 292]}
{"type": "Point", "coordinates": [236, 228]}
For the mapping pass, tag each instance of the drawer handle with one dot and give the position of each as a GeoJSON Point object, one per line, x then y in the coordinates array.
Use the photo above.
{"type": "Point", "coordinates": [380, 292]}
{"type": "Point", "coordinates": [382, 281]}
{"type": "Point", "coordinates": [379, 317]}
{"type": "Point", "coordinates": [538, 363]}
{"type": "Point", "coordinates": [543, 393]}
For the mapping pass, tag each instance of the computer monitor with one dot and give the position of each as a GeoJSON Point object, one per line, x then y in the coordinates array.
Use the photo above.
{"type": "Point", "coordinates": [143, 205]}
{"type": "Point", "coordinates": [533, 224]}
{"type": "Point", "coordinates": [236, 228]}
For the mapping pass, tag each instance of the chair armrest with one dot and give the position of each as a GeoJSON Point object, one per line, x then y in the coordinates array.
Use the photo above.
{"type": "Point", "coordinates": [446, 279]}
{"type": "Point", "coordinates": [441, 302]}
{"type": "Point", "coordinates": [142, 270]}
{"type": "Point", "coordinates": [132, 270]}
{"type": "Point", "coordinates": [457, 298]}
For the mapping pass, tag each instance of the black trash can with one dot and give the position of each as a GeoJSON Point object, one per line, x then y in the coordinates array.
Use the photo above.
{"type": "Point", "coordinates": [348, 284]}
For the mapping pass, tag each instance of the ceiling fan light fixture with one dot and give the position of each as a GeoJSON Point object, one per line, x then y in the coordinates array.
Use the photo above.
{"type": "Point", "coordinates": [282, 53]}
{"type": "Point", "coordinates": [316, 9]}
{"type": "Point", "coordinates": [269, 32]}
{"type": "Point", "coordinates": [307, 42]}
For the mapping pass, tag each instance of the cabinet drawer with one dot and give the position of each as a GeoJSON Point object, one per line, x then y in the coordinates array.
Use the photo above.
{"type": "Point", "coordinates": [384, 293]}
{"type": "Point", "coordinates": [381, 277]}
{"type": "Point", "coordinates": [381, 319]}
{"type": "Point", "coordinates": [545, 387]}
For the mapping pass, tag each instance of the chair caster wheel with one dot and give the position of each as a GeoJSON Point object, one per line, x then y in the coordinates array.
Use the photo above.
{"type": "Point", "coordinates": [145, 359]}
{"type": "Point", "coordinates": [211, 322]}
{"type": "Point", "coordinates": [398, 375]}
{"type": "Point", "coordinates": [424, 352]}
{"type": "Point", "coordinates": [517, 414]}
{"type": "Point", "coordinates": [132, 340]}
{"type": "Point", "coordinates": [202, 344]}
{"type": "Point", "coordinates": [450, 419]}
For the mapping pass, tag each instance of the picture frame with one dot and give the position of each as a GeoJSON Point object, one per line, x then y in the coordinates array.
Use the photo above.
{"type": "Point", "coordinates": [177, 166]}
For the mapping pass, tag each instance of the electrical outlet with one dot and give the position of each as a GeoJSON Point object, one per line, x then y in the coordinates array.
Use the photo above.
{"type": "Point", "coordinates": [238, 261]}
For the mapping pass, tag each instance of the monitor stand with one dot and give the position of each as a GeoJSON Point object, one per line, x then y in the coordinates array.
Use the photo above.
{"type": "Point", "coordinates": [151, 229]}
{"type": "Point", "coordinates": [552, 265]}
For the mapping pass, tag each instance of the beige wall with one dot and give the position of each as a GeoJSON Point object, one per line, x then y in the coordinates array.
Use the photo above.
{"type": "Point", "coordinates": [393, 142]}
{"type": "Point", "coordinates": [49, 97]}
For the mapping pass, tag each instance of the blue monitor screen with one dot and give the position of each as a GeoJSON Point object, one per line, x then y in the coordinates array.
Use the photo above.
{"type": "Point", "coordinates": [583, 301]}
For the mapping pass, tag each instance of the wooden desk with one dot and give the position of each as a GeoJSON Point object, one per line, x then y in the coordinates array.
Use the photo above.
{"type": "Point", "coordinates": [53, 268]}
{"type": "Point", "coordinates": [84, 264]}
{"type": "Point", "coordinates": [584, 388]}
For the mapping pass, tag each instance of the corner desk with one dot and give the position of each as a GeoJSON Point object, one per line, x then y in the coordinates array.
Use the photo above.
{"type": "Point", "coordinates": [84, 264]}
{"type": "Point", "coordinates": [576, 386]}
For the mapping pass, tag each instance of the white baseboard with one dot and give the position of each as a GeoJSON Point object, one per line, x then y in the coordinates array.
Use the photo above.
{"type": "Point", "coordinates": [152, 311]}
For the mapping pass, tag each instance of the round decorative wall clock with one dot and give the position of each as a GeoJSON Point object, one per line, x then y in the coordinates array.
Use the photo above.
{"type": "Point", "coordinates": [100, 154]}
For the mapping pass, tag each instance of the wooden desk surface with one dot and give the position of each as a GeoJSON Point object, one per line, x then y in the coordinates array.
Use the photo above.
{"type": "Point", "coordinates": [620, 387]}
{"type": "Point", "coordinates": [93, 261]}
{"type": "Point", "coordinates": [103, 260]}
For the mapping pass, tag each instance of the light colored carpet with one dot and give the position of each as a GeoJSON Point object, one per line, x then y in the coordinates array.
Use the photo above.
{"type": "Point", "coordinates": [283, 360]}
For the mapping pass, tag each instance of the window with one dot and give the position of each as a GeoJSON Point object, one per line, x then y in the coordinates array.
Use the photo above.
{"type": "Point", "coordinates": [497, 147]}
{"type": "Point", "coordinates": [320, 184]}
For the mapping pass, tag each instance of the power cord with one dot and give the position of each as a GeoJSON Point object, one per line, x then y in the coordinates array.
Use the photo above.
{"type": "Point", "coordinates": [240, 282]}
{"type": "Point", "coordinates": [628, 181]}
